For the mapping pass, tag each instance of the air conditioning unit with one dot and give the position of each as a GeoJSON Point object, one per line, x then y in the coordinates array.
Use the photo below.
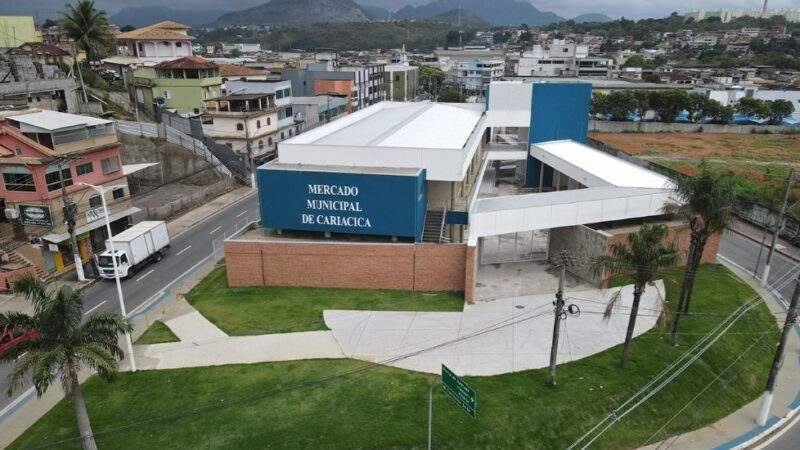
{"type": "Point", "coordinates": [12, 213]}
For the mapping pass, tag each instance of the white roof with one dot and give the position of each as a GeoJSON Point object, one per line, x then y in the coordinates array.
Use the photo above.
{"type": "Point", "coordinates": [396, 124]}
{"type": "Point", "coordinates": [54, 121]}
{"type": "Point", "coordinates": [595, 168]}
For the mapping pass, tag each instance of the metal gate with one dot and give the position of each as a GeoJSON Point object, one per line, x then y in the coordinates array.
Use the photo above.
{"type": "Point", "coordinates": [515, 247]}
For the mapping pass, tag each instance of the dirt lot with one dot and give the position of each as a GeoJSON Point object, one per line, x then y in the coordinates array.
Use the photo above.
{"type": "Point", "coordinates": [753, 155]}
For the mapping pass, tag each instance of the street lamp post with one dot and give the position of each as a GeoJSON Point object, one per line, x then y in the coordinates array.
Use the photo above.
{"type": "Point", "coordinates": [102, 191]}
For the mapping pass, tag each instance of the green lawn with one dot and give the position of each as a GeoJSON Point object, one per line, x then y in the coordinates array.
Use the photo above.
{"type": "Point", "coordinates": [158, 333]}
{"type": "Point", "coordinates": [281, 406]}
{"type": "Point", "coordinates": [266, 310]}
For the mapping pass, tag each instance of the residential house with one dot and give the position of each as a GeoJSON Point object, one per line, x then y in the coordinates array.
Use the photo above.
{"type": "Point", "coordinates": [279, 96]}
{"type": "Point", "coordinates": [156, 43]}
{"type": "Point", "coordinates": [40, 150]}
{"type": "Point", "coordinates": [24, 85]}
{"type": "Point", "coordinates": [314, 111]}
{"type": "Point", "coordinates": [247, 123]}
{"type": "Point", "coordinates": [16, 30]}
{"type": "Point", "coordinates": [563, 59]}
{"type": "Point", "coordinates": [43, 54]}
{"type": "Point", "coordinates": [182, 84]}
{"type": "Point", "coordinates": [363, 85]}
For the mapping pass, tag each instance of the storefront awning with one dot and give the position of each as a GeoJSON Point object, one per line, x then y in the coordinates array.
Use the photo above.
{"type": "Point", "coordinates": [56, 238]}
{"type": "Point", "coordinates": [128, 169]}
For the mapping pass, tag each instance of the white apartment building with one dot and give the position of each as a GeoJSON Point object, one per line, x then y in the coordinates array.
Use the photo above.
{"type": "Point", "coordinates": [791, 14]}
{"type": "Point", "coordinates": [474, 76]}
{"type": "Point", "coordinates": [563, 59]}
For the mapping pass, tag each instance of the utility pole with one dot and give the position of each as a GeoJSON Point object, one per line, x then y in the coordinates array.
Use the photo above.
{"type": "Point", "coordinates": [249, 144]}
{"type": "Point", "coordinates": [70, 210]}
{"type": "Point", "coordinates": [791, 318]}
{"type": "Point", "coordinates": [778, 227]}
{"type": "Point", "coordinates": [559, 315]}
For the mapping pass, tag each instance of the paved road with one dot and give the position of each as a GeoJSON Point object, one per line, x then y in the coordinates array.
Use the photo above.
{"type": "Point", "coordinates": [745, 252]}
{"type": "Point", "coordinates": [187, 250]}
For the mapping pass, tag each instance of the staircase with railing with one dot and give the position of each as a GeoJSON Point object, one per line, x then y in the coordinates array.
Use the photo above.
{"type": "Point", "coordinates": [433, 231]}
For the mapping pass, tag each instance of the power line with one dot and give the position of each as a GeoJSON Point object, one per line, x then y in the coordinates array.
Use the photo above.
{"type": "Point", "coordinates": [680, 365]}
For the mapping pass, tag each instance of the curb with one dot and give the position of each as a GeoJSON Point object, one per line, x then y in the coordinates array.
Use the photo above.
{"type": "Point", "coordinates": [775, 425]}
{"type": "Point", "coordinates": [237, 201]}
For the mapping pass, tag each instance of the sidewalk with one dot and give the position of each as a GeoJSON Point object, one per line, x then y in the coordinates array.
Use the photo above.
{"type": "Point", "coordinates": [176, 226]}
{"type": "Point", "coordinates": [27, 408]}
{"type": "Point", "coordinates": [739, 429]}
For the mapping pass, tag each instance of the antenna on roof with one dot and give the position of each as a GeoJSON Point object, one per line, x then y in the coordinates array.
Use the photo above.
{"type": "Point", "coordinates": [461, 31]}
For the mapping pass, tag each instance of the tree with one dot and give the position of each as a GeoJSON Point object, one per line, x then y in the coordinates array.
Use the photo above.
{"type": "Point", "coordinates": [127, 28]}
{"type": "Point", "coordinates": [49, 23]}
{"type": "Point", "coordinates": [778, 110]}
{"type": "Point", "coordinates": [705, 202]}
{"type": "Point", "coordinates": [451, 94]}
{"type": "Point", "coordinates": [599, 104]}
{"type": "Point", "coordinates": [696, 106]}
{"type": "Point", "coordinates": [750, 106]}
{"type": "Point", "coordinates": [87, 26]}
{"type": "Point", "coordinates": [430, 78]}
{"type": "Point", "coordinates": [621, 103]}
{"type": "Point", "coordinates": [651, 78]}
{"type": "Point", "coordinates": [641, 258]}
{"type": "Point", "coordinates": [235, 53]}
{"type": "Point", "coordinates": [669, 103]}
{"type": "Point", "coordinates": [62, 344]}
{"type": "Point", "coordinates": [635, 61]}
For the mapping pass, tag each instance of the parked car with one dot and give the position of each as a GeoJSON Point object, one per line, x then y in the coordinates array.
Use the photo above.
{"type": "Point", "coordinates": [11, 337]}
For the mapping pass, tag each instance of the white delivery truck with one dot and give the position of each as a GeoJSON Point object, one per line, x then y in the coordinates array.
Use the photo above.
{"type": "Point", "coordinates": [134, 248]}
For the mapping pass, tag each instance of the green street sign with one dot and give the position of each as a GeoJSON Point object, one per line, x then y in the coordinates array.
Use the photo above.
{"type": "Point", "coordinates": [459, 391]}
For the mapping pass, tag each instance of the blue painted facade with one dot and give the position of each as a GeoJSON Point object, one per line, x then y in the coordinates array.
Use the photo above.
{"type": "Point", "coordinates": [558, 111]}
{"type": "Point", "coordinates": [343, 202]}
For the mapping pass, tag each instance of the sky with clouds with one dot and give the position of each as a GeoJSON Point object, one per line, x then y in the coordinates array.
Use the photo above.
{"type": "Point", "coordinates": [614, 8]}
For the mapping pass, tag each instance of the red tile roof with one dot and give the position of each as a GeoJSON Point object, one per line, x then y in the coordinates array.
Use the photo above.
{"type": "Point", "coordinates": [188, 62]}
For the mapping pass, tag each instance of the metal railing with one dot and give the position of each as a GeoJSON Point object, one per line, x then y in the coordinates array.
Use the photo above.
{"type": "Point", "coordinates": [137, 128]}
{"type": "Point", "coordinates": [197, 147]}
{"type": "Point", "coordinates": [217, 245]}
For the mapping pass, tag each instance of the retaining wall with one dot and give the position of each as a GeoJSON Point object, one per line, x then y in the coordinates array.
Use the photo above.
{"type": "Point", "coordinates": [608, 126]}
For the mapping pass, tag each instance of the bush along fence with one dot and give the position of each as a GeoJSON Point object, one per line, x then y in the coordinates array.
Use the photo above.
{"type": "Point", "coordinates": [754, 213]}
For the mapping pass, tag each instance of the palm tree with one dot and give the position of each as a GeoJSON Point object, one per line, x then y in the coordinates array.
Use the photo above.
{"type": "Point", "coordinates": [62, 344]}
{"type": "Point", "coordinates": [87, 26]}
{"type": "Point", "coordinates": [641, 258]}
{"type": "Point", "coordinates": [705, 202]}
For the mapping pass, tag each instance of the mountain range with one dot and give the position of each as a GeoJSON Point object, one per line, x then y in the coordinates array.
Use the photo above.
{"type": "Point", "coordinates": [139, 16]}
{"type": "Point", "coordinates": [495, 12]}
{"type": "Point", "coordinates": [296, 12]}
{"type": "Point", "coordinates": [473, 13]}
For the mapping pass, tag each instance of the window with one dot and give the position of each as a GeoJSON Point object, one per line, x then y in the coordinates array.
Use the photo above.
{"type": "Point", "coordinates": [83, 169]}
{"type": "Point", "coordinates": [269, 142]}
{"type": "Point", "coordinates": [51, 177]}
{"type": "Point", "coordinates": [95, 201]}
{"type": "Point", "coordinates": [110, 164]}
{"type": "Point", "coordinates": [18, 179]}
{"type": "Point", "coordinates": [258, 124]}
{"type": "Point", "coordinates": [260, 145]}
{"type": "Point", "coordinates": [269, 121]}
{"type": "Point", "coordinates": [397, 78]}
{"type": "Point", "coordinates": [18, 150]}
{"type": "Point", "coordinates": [279, 94]}
{"type": "Point", "coordinates": [239, 126]}
{"type": "Point", "coordinates": [208, 120]}
{"type": "Point", "coordinates": [197, 110]}
{"type": "Point", "coordinates": [179, 44]}
{"type": "Point", "coordinates": [118, 193]}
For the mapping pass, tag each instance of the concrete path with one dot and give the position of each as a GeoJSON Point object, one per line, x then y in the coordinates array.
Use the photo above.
{"type": "Point", "coordinates": [491, 337]}
{"type": "Point", "coordinates": [203, 344]}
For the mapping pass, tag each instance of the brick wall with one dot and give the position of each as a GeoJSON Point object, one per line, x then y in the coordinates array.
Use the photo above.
{"type": "Point", "coordinates": [423, 267]}
{"type": "Point", "coordinates": [469, 273]}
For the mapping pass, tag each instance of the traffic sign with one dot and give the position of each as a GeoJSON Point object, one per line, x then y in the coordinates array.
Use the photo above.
{"type": "Point", "coordinates": [459, 391]}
